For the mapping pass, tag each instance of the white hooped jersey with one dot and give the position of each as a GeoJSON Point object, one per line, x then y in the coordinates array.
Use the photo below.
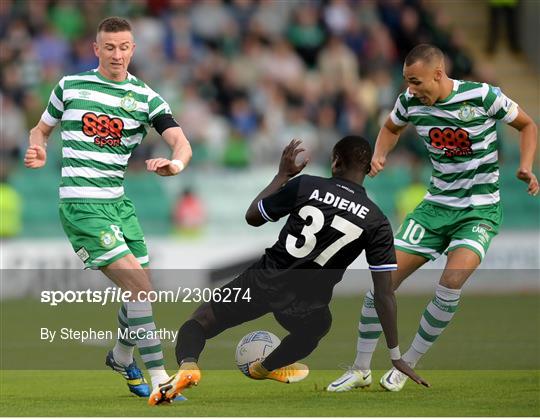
{"type": "Point", "coordinates": [102, 122]}
{"type": "Point", "coordinates": [460, 135]}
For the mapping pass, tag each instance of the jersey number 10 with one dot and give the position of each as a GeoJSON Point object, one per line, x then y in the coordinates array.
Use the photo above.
{"type": "Point", "coordinates": [351, 232]}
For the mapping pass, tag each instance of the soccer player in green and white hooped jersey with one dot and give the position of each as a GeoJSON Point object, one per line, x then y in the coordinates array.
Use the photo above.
{"type": "Point", "coordinates": [104, 114]}
{"type": "Point", "coordinates": [461, 211]}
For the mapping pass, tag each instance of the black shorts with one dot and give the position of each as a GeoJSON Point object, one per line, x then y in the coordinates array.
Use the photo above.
{"type": "Point", "coordinates": [315, 321]}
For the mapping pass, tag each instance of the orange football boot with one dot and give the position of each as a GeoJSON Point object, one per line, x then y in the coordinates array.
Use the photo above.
{"type": "Point", "coordinates": [288, 374]}
{"type": "Point", "coordinates": [188, 375]}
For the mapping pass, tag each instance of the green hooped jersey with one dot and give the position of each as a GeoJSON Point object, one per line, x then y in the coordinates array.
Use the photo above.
{"type": "Point", "coordinates": [460, 135]}
{"type": "Point", "coordinates": [102, 122]}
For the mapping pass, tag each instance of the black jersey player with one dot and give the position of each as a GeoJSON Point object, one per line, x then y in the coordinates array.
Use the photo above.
{"type": "Point", "coordinates": [330, 222]}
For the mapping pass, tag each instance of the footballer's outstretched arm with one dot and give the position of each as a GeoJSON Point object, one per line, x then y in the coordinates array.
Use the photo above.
{"type": "Point", "coordinates": [36, 154]}
{"type": "Point", "coordinates": [385, 304]}
{"type": "Point", "coordinates": [287, 170]}
{"type": "Point", "coordinates": [528, 135]}
{"type": "Point", "coordinates": [385, 143]}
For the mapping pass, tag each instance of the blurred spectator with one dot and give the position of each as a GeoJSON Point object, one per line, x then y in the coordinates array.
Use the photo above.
{"type": "Point", "coordinates": [386, 93]}
{"type": "Point", "coordinates": [390, 14]}
{"type": "Point", "coordinates": [210, 18]}
{"type": "Point", "coordinates": [82, 58]}
{"type": "Point", "coordinates": [461, 63]}
{"type": "Point", "coordinates": [243, 118]}
{"type": "Point", "coordinates": [313, 96]}
{"type": "Point", "coordinates": [178, 35]}
{"type": "Point", "coordinates": [6, 16]}
{"type": "Point", "coordinates": [326, 131]}
{"type": "Point", "coordinates": [13, 134]}
{"type": "Point", "coordinates": [380, 50]}
{"type": "Point", "coordinates": [236, 154]}
{"type": "Point", "coordinates": [355, 38]}
{"type": "Point", "coordinates": [262, 147]}
{"type": "Point", "coordinates": [270, 102]}
{"type": "Point", "coordinates": [410, 32]}
{"type": "Point", "coordinates": [37, 16]}
{"type": "Point", "coordinates": [33, 108]}
{"type": "Point", "coordinates": [271, 19]}
{"type": "Point", "coordinates": [247, 67]}
{"type": "Point", "coordinates": [149, 38]}
{"type": "Point", "coordinates": [229, 87]}
{"type": "Point", "coordinates": [242, 11]}
{"type": "Point", "coordinates": [503, 13]}
{"type": "Point", "coordinates": [18, 35]}
{"type": "Point", "coordinates": [338, 16]}
{"type": "Point", "coordinates": [367, 95]}
{"type": "Point", "coordinates": [168, 84]}
{"type": "Point", "coordinates": [51, 48]}
{"type": "Point", "coordinates": [282, 64]}
{"type": "Point", "coordinates": [338, 64]}
{"type": "Point", "coordinates": [189, 216]}
{"type": "Point", "coordinates": [194, 113]}
{"type": "Point", "coordinates": [353, 116]}
{"type": "Point", "coordinates": [306, 33]}
{"type": "Point", "coordinates": [12, 85]}
{"type": "Point", "coordinates": [230, 42]}
{"type": "Point", "coordinates": [67, 18]}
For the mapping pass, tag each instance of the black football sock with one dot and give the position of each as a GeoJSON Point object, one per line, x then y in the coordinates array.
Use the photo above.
{"type": "Point", "coordinates": [291, 349]}
{"type": "Point", "coordinates": [190, 342]}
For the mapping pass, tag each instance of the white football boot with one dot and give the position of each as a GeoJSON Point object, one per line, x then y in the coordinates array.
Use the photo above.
{"type": "Point", "coordinates": [352, 378]}
{"type": "Point", "coordinates": [393, 380]}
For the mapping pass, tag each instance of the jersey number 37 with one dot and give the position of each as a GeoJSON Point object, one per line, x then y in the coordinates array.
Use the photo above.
{"type": "Point", "coordinates": [350, 233]}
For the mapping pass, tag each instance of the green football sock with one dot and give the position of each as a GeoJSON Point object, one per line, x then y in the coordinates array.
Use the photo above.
{"type": "Point", "coordinates": [369, 330]}
{"type": "Point", "coordinates": [436, 317]}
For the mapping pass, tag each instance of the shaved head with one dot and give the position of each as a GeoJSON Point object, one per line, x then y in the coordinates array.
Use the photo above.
{"type": "Point", "coordinates": [428, 54]}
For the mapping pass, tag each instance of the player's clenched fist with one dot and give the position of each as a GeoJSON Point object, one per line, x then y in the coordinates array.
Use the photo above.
{"type": "Point", "coordinates": [377, 165]}
{"type": "Point", "coordinates": [530, 179]}
{"type": "Point", "coordinates": [35, 157]}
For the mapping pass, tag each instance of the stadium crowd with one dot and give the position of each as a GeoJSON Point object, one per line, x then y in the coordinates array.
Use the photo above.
{"type": "Point", "coordinates": [242, 77]}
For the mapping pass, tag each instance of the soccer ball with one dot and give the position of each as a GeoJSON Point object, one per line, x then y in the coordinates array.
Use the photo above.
{"type": "Point", "coordinates": [253, 347]}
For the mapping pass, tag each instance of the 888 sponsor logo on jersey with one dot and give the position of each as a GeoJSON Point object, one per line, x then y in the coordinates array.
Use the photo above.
{"type": "Point", "coordinates": [106, 131]}
{"type": "Point", "coordinates": [454, 142]}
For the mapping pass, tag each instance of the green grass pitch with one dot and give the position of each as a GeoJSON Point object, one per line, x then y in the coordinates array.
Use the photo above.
{"type": "Point", "coordinates": [485, 364]}
{"type": "Point", "coordinates": [227, 393]}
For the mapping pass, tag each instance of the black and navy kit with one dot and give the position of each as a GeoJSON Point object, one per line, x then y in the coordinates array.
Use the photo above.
{"type": "Point", "coordinates": [331, 222]}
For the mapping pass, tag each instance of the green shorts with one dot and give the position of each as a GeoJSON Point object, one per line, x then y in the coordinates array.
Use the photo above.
{"type": "Point", "coordinates": [431, 229]}
{"type": "Point", "coordinates": [103, 233]}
